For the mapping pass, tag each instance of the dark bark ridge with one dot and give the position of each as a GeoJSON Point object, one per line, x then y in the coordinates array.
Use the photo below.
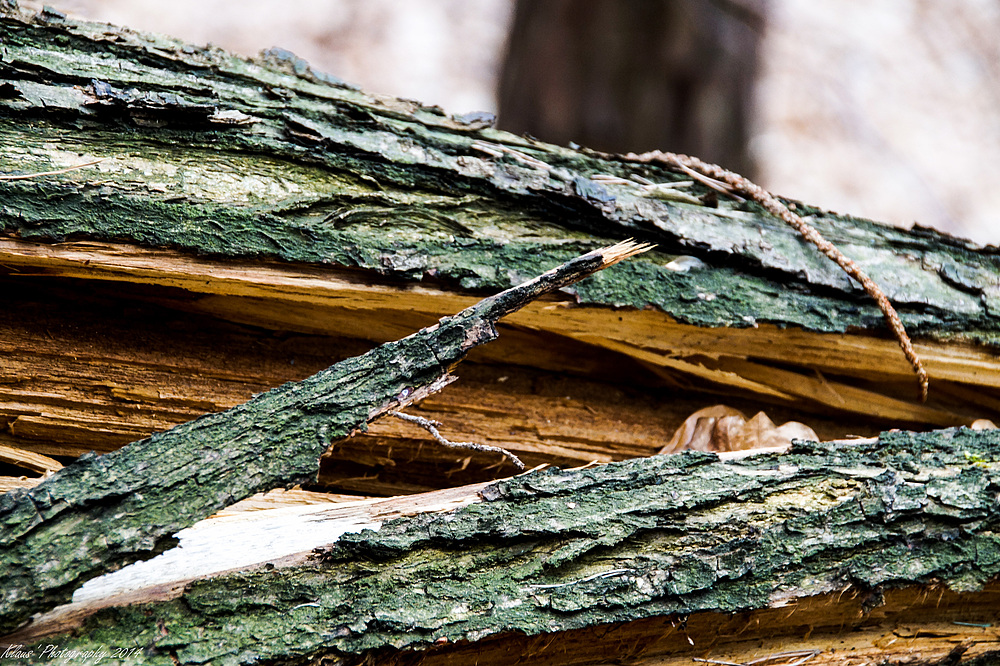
{"type": "Point", "coordinates": [184, 132]}
{"type": "Point", "coordinates": [558, 550]}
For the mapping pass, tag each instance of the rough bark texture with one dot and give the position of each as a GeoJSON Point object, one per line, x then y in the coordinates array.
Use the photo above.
{"type": "Point", "coordinates": [102, 512]}
{"type": "Point", "coordinates": [298, 204]}
{"type": "Point", "coordinates": [557, 550]}
{"type": "Point", "coordinates": [296, 217]}
{"type": "Point", "coordinates": [229, 158]}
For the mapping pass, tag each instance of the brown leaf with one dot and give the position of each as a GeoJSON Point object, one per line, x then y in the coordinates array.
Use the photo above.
{"type": "Point", "coordinates": [722, 428]}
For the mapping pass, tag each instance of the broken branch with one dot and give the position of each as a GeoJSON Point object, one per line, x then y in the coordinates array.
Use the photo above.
{"type": "Point", "coordinates": [103, 512]}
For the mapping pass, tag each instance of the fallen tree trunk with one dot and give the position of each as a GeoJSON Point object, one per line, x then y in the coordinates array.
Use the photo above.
{"type": "Point", "coordinates": [710, 547]}
{"type": "Point", "coordinates": [295, 201]}
{"type": "Point", "coordinates": [249, 222]}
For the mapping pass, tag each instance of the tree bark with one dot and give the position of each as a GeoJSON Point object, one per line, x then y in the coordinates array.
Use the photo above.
{"type": "Point", "coordinates": [246, 215]}
{"type": "Point", "coordinates": [268, 160]}
{"type": "Point", "coordinates": [291, 200]}
{"type": "Point", "coordinates": [690, 539]}
{"type": "Point", "coordinates": [102, 512]}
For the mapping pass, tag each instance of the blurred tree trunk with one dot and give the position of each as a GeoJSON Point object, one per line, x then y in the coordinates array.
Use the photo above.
{"type": "Point", "coordinates": [619, 76]}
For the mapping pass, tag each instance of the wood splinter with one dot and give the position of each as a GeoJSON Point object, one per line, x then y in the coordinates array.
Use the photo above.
{"type": "Point", "coordinates": [275, 439]}
{"type": "Point", "coordinates": [493, 308]}
{"type": "Point", "coordinates": [687, 164]}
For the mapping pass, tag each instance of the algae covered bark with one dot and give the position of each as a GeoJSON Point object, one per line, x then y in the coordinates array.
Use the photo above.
{"type": "Point", "coordinates": [105, 511]}
{"type": "Point", "coordinates": [228, 162]}
{"type": "Point", "coordinates": [559, 550]}
{"type": "Point", "coordinates": [227, 157]}
{"type": "Point", "coordinates": [218, 171]}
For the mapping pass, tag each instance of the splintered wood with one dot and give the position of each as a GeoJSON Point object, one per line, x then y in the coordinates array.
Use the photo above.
{"type": "Point", "coordinates": [74, 380]}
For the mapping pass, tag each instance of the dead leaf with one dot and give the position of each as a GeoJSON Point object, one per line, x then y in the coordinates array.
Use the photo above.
{"type": "Point", "coordinates": [721, 428]}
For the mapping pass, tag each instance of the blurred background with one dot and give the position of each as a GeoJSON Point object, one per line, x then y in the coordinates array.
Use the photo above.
{"type": "Point", "coordinates": [887, 109]}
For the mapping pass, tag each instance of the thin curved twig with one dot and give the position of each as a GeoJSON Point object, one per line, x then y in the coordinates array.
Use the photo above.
{"type": "Point", "coordinates": [431, 427]}
{"type": "Point", "coordinates": [744, 186]}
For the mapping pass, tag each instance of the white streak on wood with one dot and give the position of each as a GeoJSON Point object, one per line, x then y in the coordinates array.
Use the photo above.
{"type": "Point", "coordinates": [235, 541]}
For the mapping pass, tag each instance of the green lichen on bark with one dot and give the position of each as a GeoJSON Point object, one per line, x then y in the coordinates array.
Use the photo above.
{"type": "Point", "coordinates": [105, 511]}
{"type": "Point", "coordinates": [229, 157]}
{"type": "Point", "coordinates": [557, 550]}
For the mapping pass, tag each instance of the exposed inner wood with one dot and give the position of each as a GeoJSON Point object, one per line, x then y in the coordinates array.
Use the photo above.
{"type": "Point", "coordinates": [291, 513]}
{"type": "Point", "coordinates": [854, 374]}
{"type": "Point", "coordinates": [104, 343]}
{"type": "Point", "coordinates": [95, 372]}
{"type": "Point", "coordinates": [8, 483]}
{"type": "Point", "coordinates": [34, 462]}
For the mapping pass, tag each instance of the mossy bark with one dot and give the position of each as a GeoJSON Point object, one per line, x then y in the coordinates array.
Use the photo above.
{"type": "Point", "coordinates": [105, 511]}
{"type": "Point", "coordinates": [268, 162]}
{"type": "Point", "coordinates": [228, 157]}
{"type": "Point", "coordinates": [556, 550]}
{"type": "Point", "coordinates": [232, 160]}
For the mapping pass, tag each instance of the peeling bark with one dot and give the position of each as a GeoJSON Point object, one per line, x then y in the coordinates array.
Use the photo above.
{"type": "Point", "coordinates": [268, 158]}
{"type": "Point", "coordinates": [265, 170]}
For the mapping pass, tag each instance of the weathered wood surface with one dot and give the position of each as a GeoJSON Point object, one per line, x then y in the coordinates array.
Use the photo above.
{"type": "Point", "coordinates": [323, 209]}
{"type": "Point", "coordinates": [683, 538]}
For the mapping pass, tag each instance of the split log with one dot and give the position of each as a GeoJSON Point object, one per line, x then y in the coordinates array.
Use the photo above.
{"type": "Point", "coordinates": [251, 221]}
{"type": "Point", "coordinates": [296, 203]}
{"type": "Point", "coordinates": [105, 511]}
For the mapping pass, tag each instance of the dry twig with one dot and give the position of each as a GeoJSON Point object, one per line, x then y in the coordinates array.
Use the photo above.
{"type": "Point", "coordinates": [744, 186]}
{"type": "Point", "coordinates": [432, 428]}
